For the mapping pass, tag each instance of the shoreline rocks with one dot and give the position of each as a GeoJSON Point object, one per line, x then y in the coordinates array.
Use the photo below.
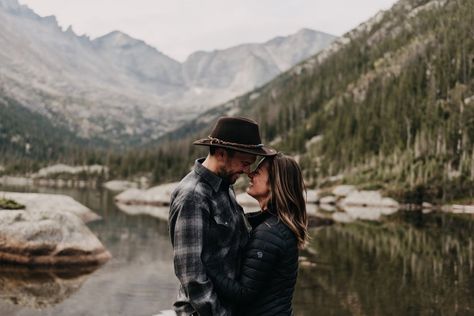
{"type": "Point", "coordinates": [368, 198]}
{"type": "Point", "coordinates": [51, 203]}
{"type": "Point", "coordinates": [16, 181]}
{"type": "Point", "coordinates": [156, 196]}
{"type": "Point", "coordinates": [50, 231]}
{"type": "Point", "coordinates": [66, 169]}
{"type": "Point", "coordinates": [343, 190]}
{"type": "Point", "coordinates": [60, 175]}
{"type": "Point", "coordinates": [120, 185]}
{"type": "Point", "coordinates": [347, 204]}
{"type": "Point", "coordinates": [312, 196]}
{"type": "Point", "coordinates": [459, 209]}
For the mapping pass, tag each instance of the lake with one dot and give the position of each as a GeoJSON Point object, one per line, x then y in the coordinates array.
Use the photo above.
{"type": "Point", "coordinates": [410, 263]}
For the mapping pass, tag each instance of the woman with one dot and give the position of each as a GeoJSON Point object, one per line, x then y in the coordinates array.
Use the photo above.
{"type": "Point", "coordinates": [270, 261]}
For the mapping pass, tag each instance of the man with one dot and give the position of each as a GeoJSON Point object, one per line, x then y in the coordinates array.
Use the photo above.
{"type": "Point", "coordinates": [206, 223]}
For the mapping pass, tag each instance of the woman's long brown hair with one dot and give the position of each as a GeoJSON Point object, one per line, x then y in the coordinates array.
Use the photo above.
{"type": "Point", "coordinates": [287, 195]}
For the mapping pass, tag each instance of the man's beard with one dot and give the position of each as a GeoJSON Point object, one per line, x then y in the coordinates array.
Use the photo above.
{"type": "Point", "coordinates": [228, 178]}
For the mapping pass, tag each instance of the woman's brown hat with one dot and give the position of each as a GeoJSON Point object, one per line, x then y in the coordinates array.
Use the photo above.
{"type": "Point", "coordinates": [237, 133]}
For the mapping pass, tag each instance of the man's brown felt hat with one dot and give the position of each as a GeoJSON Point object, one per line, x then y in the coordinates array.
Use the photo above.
{"type": "Point", "coordinates": [237, 133]}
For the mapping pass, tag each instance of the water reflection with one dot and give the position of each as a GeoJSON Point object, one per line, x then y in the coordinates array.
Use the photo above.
{"type": "Point", "coordinates": [39, 288]}
{"type": "Point", "coordinates": [414, 264]}
{"type": "Point", "coordinates": [138, 280]}
{"type": "Point", "coordinates": [409, 264]}
{"type": "Point", "coordinates": [160, 212]}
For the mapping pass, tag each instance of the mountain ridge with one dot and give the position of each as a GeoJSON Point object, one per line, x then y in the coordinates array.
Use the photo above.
{"type": "Point", "coordinates": [389, 105]}
{"type": "Point", "coordinates": [115, 87]}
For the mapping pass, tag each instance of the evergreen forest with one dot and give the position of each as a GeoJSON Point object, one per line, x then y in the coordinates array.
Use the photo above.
{"type": "Point", "coordinates": [389, 106]}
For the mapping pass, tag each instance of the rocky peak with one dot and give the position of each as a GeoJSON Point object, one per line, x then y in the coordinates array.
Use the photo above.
{"type": "Point", "coordinates": [117, 39]}
{"type": "Point", "coordinates": [15, 8]}
{"type": "Point", "coordinates": [117, 71]}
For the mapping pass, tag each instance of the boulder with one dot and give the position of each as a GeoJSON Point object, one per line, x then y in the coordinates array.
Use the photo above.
{"type": "Point", "coordinates": [312, 196]}
{"type": "Point", "coordinates": [368, 198]}
{"type": "Point", "coordinates": [246, 200]}
{"type": "Point", "coordinates": [158, 196]}
{"type": "Point", "coordinates": [426, 205]}
{"type": "Point", "coordinates": [119, 185]}
{"type": "Point", "coordinates": [248, 203]}
{"type": "Point", "coordinates": [49, 231]}
{"type": "Point", "coordinates": [51, 203]}
{"type": "Point", "coordinates": [61, 168]}
{"type": "Point", "coordinates": [312, 209]}
{"type": "Point", "coordinates": [48, 238]}
{"type": "Point", "coordinates": [328, 200]}
{"type": "Point", "coordinates": [460, 209]}
{"type": "Point", "coordinates": [343, 190]}
{"type": "Point", "coordinates": [327, 207]}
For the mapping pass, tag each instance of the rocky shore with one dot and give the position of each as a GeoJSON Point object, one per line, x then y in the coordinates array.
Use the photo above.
{"type": "Point", "coordinates": [342, 203]}
{"type": "Point", "coordinates": [49, 231]}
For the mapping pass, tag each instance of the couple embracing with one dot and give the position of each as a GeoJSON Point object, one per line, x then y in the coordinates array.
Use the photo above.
{"type": "Point", "coordinates": [228, 262]}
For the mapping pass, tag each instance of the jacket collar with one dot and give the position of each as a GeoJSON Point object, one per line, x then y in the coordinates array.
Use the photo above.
{"type": "Point", "coordinates": [207, 175]}
{"type": "Point", "coordinates": [256, 218]}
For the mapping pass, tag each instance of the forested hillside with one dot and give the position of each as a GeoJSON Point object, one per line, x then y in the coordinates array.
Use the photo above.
{"type": "Point", "coordinates": [27, 138]}
{"type": "Point", "coordinates": [389, 105]}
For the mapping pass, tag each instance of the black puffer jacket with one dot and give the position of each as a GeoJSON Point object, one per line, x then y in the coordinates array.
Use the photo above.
{"type": "Point", "coordinates": [269, 270]}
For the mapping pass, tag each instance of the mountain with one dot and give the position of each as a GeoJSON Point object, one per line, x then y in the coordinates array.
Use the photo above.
{"type": "Point", "coordinates": [25, 134]}
{"type": "Point", "coordinates": [223, 74]}
{"type": "Point", "coordinates": [120, 89]}
{"type": "Point", "coordinates": [61, 76]}
{"type": "Point", "coordinates": [140, 61]}
{"type": "Point", "coordinates": [389, 105]}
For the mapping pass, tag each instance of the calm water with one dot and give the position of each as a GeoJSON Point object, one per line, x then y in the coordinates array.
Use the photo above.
{"type": "Point", "coordinates": [409, 264]}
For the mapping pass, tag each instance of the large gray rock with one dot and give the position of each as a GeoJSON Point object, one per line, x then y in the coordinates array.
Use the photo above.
{"type": "Point", "coordinates": [246, 200]}
{"type": "Point", "coordinates": [49, 232]}
{"type": "Point", "coordinates": [51, 203]}
{"type": "Point", "coordinates": [119, 185]}
{"type": "Point", "coordinates": [343, 190]}
{"type": "Point", "coordinates": [312, 196]}
{"type": "Point", "coordinates": [368, 198]}
{"type": "Point", "coordinates": [157, 196]}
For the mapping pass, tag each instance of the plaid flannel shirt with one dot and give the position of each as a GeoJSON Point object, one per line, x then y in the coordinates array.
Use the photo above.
{"type": "Point", "coordinates": [206, 225]}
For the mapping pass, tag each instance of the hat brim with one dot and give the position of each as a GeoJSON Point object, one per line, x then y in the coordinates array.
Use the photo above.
{"type": "Point", "coordinates": [259, 151]}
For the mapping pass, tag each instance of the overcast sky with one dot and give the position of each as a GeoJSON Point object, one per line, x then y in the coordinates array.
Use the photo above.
{"type": "Point", "coordinates": [179, 27]}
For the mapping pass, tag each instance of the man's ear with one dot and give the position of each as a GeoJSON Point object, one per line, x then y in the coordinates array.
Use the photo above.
{"type": "Point", "coordinates": [220, 154]}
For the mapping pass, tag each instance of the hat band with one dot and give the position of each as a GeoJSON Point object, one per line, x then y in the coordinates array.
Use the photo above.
{"type": "Point", "coordinates": [221, 142]}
